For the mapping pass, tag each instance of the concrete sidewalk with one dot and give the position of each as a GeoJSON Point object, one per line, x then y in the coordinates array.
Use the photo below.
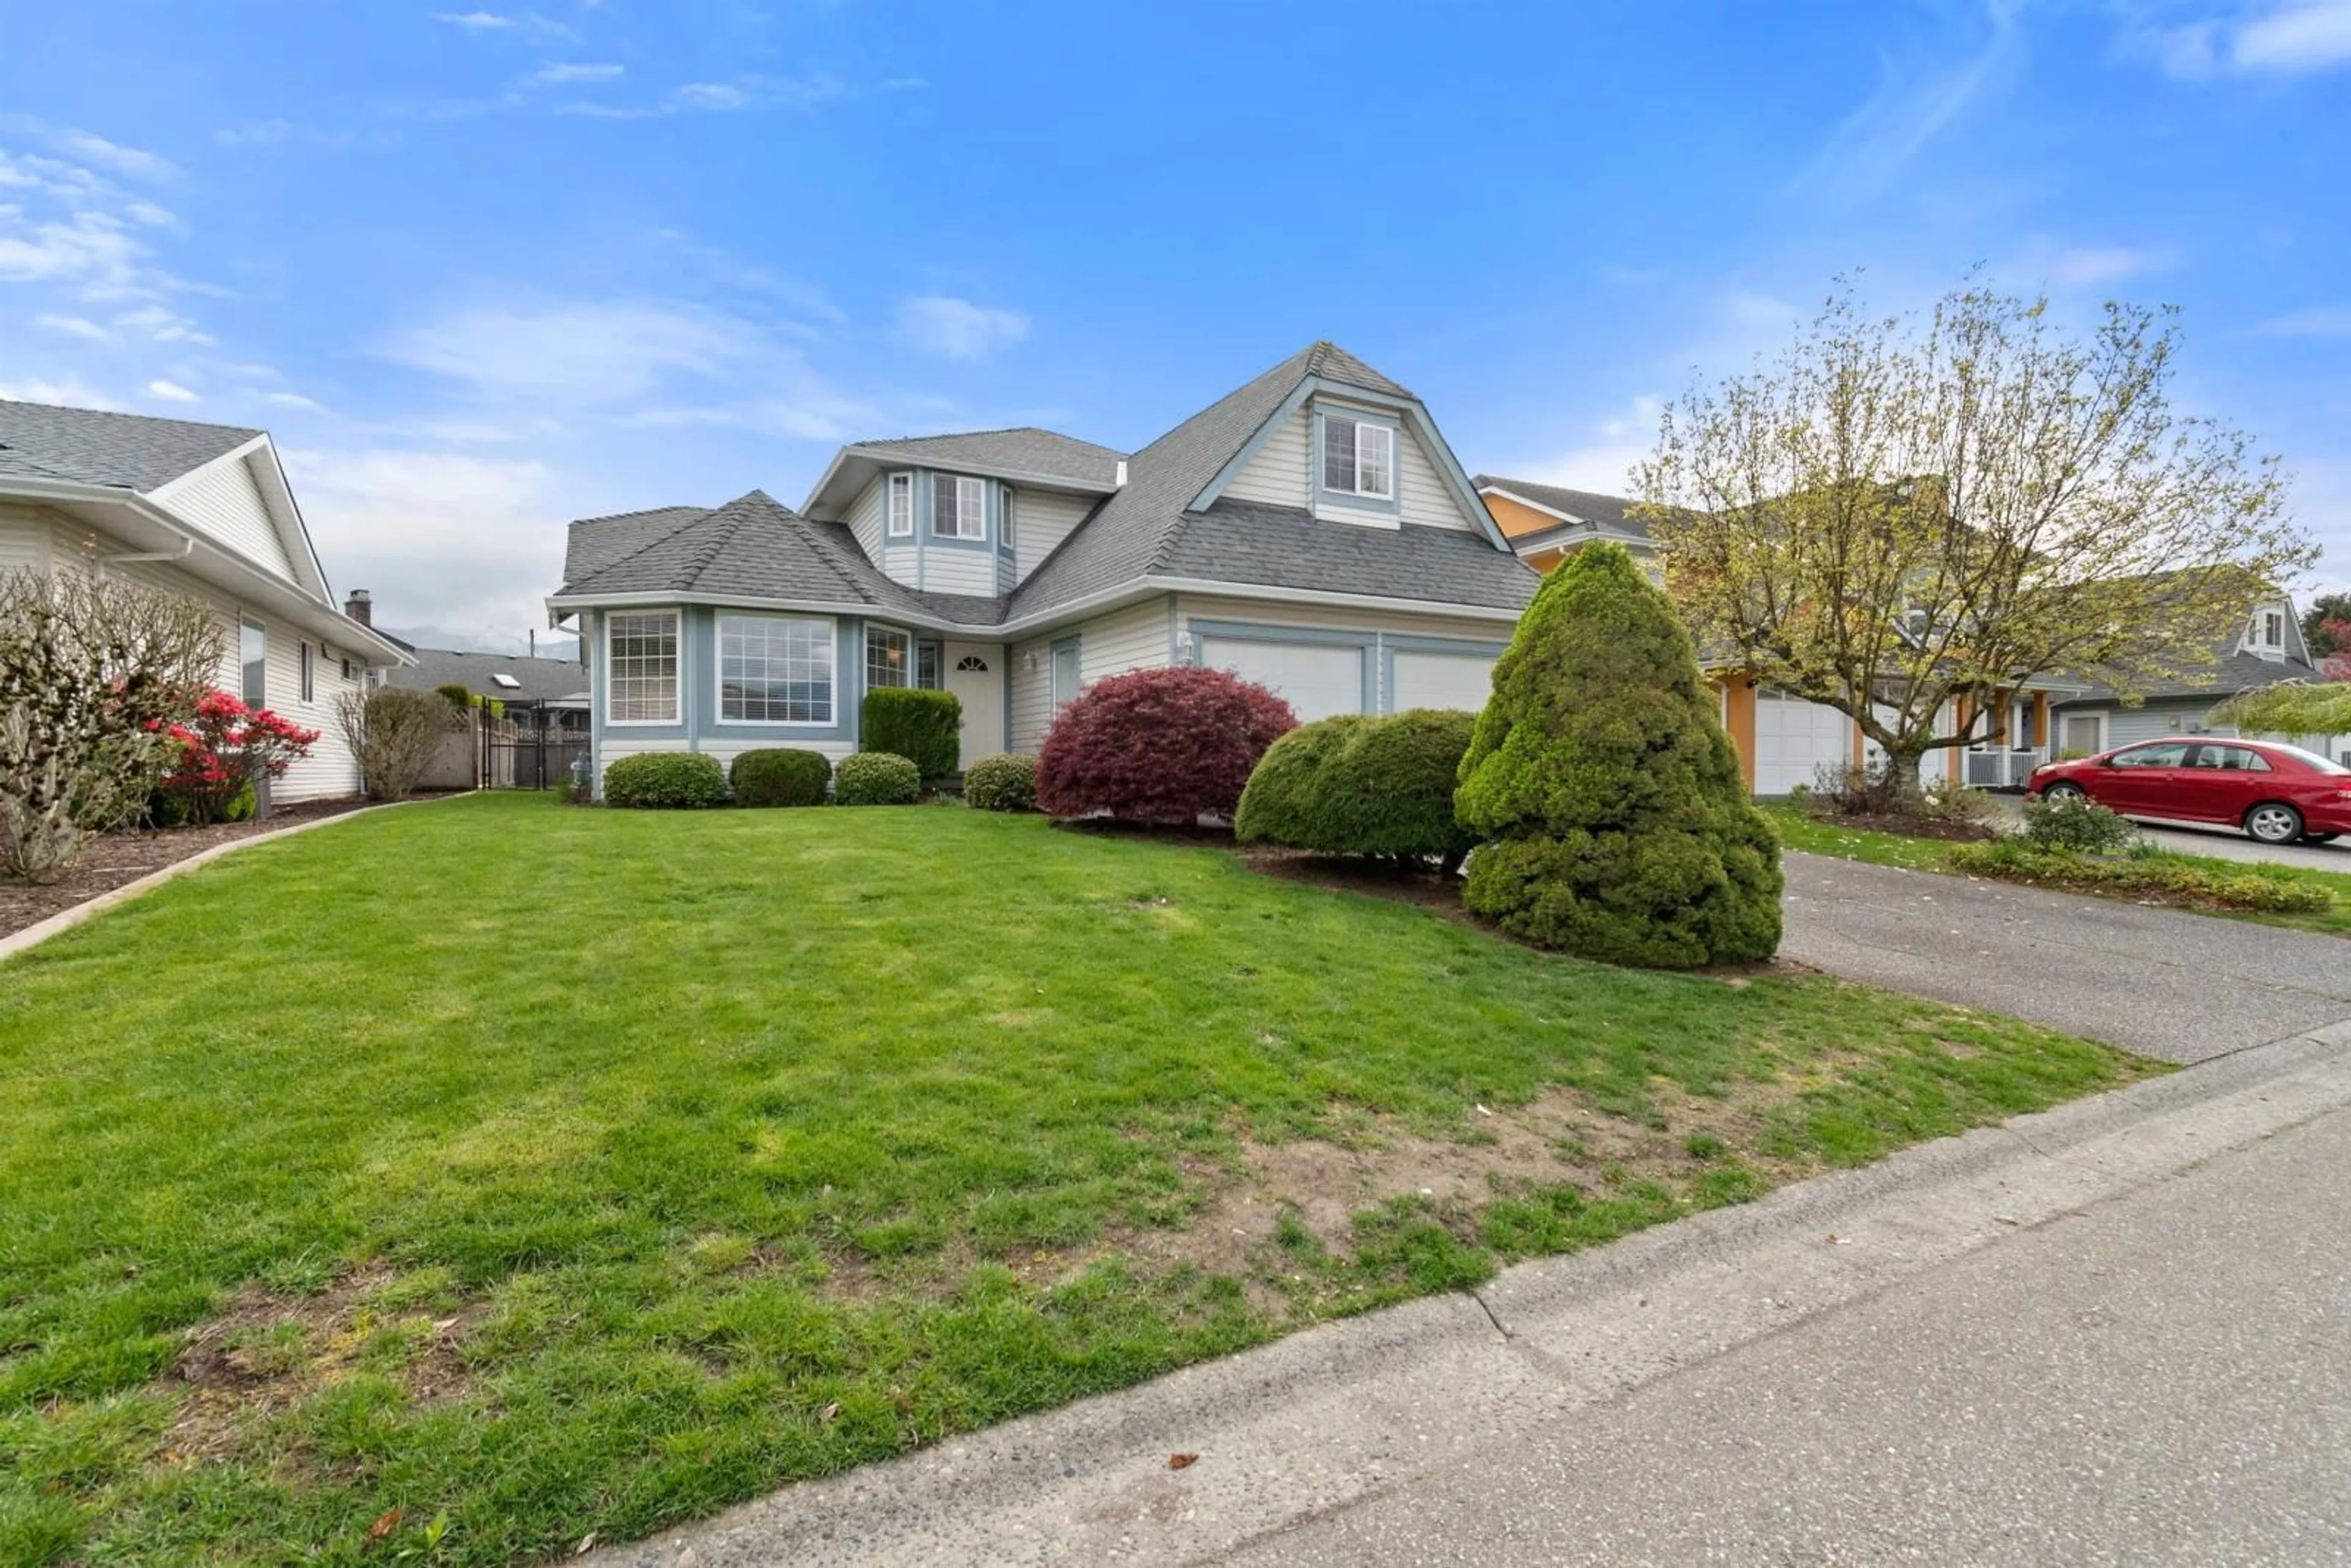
{"type": "Point", "coordinates": [1331, 1445]}
{"type": "Point", "coordinates": [2175, 986]}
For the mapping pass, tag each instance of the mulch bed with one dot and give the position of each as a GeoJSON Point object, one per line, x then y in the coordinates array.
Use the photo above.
{"type": "Point", "coordinates": [1909, 827]}
{"type": "Point", "coordinates": [114, 858]}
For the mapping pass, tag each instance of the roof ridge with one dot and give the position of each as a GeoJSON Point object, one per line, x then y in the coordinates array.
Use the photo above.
{"type": "Point", "coordinates": [827, 548]}
{"type": "Point", "coordinates": [247, 429]}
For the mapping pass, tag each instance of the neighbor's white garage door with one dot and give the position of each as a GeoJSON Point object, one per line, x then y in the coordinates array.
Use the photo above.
{"type": "Point", "coordinates": [1316, 680]}
{"type": "Point", "coordinates": [1442, 680]}
{"type": "Point", "coordinates": [1793, 740]}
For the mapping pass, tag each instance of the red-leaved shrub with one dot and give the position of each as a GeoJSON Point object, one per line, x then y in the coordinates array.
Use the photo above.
{"type": "Point", "coordinates": [1159, 745]}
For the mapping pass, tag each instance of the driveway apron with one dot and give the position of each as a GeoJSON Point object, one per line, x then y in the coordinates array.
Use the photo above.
{"type": "Point", "coordinates": [2176, 986]}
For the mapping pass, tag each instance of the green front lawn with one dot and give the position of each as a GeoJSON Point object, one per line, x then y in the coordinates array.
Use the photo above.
{"type": "Point", "coordinates": [536, 1171]}
{"type": "Point", "coordinates": [1800, 829]}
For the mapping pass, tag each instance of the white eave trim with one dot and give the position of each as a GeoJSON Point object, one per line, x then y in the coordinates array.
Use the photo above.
{"type": "Point", "coordinates": [1093, 604]}
{"type": "Point", "coordinates": [890, 457]}
{"type": "Point", "coordinates": [266, 583]}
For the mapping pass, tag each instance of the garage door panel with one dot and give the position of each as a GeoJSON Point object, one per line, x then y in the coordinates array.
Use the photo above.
{"type": "Point", "coordinates": [1442, 680]}
{"type": "Point", "coordinates": [1316, 679]}
{"type": "Point", "coordinates": [1794, 739]}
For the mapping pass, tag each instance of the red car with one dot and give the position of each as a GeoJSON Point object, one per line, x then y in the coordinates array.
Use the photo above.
{"type": "Point", "coordinates": [2276, 793]}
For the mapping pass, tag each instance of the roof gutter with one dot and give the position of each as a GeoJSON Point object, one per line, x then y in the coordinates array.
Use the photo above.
{"type": "Point", "coordinates": [71, 492]}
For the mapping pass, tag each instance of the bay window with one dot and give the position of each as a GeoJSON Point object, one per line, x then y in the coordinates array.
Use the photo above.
{"type": "Point", "coordinates": [775, 669]}
{"type": "Point", "coordinates": [641, 667]}
{"type": "Point", "coordinates": [958, 507]}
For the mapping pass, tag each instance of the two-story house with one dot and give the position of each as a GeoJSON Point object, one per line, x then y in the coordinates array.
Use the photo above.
{"type": "Point", "coordinates": [2269, 649]}
{"type": "Point", "coordinates": [203, 510]}
{"type": "Point", "coordinates": [1310, 530]}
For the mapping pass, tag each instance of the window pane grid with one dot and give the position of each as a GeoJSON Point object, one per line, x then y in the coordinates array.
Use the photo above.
{"type": "Point", "coordinates": [1372, 443]}
{"type": "Point", "coordinates": [887, 655]}
{"type": "Point", "coordinates": [1338, 454]}
{"type": "Point", "coordinates": [775, 670]}
{"type": "Point", "coordinates": [901, 505]}
{"type": "Point", "coordinates": [641, 669]}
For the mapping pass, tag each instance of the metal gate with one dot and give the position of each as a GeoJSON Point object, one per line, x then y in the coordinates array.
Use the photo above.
{"type": "Point", "coordinates": [530, 748]}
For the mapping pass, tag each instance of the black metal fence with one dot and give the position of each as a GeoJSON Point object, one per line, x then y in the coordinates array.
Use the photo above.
{"type": "Point", "coordinates": [532, 748]}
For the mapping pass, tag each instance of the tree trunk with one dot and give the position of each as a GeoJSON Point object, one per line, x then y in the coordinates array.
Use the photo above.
{"type": "Point", "coordinates": [1903, 791]}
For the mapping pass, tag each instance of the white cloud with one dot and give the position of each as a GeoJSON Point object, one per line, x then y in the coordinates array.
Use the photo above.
{"type": "Point", "coordinates": [68, 392]}
{"type": "Point", "coordinates": [564, 73]}
{"type": "Point", "coordinates": [1603, 459]}
{"type": "Point", "coordinates": [580, 353]}
{"type": "Point", "coordinates": [711, 95]}
{"type": "Point", "coordinates": [2329, 322]}
{"type": "Point", "coordinates": [74, 327]}
{"type": "Point", "coordinates": [293, 400]}
{"type": "Point", "coordinates": [2286, 40]}
{"type": "Point", "coordinates": [1915, 98]}
{"type": "Point", "coordinates": [171, 391]}
{"type": "Point", "coordinates": [132, 162]}
{"type": "Point", "coordinates": [467, 545]}
{"type": "Point", "coordinates": [957, 328]}
{"type": "Point", "coordinates": [89, 249]}
{"type": "Point", "coordinates": [476, 21]}
{"type": "Point", "coordinates": [162, 326]}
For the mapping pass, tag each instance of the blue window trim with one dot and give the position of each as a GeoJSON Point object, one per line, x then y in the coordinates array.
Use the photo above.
{"type": "Point", "coordinates": [1391, 645]}
{"type": "Point", "coordinates": [701, 663]}
{"type": "Point", "coordinates": [1348, 500]}
{"type": "Point", "coordinates": [1322, 636]}
{"type": "Point", "coordinates": [720, 727]}
{"type": "Point", "coordinates": [1000, 497]}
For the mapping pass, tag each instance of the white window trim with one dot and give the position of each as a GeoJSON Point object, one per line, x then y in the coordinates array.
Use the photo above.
{"type": "Point", "coordinates": [1355, 486]}
{"type": "Point", "coordinates": [719, 672]}
{"type": "Point", "coordinates": [979, 493]}
{"type": "Point", "coordinates": [1006, 537]}
{"type": "Point", "coordinates": [890, 484]}
{"type": "Point", "coordinates": [676, 679]}
{"type": "Point", "coordinates": [865, 660]}
{"type": "Point", "coordinates": [2058, 721]}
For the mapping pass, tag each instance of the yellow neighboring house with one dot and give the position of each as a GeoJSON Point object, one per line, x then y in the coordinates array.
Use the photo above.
{"type": "Point", "coordinates": [1783, 741]}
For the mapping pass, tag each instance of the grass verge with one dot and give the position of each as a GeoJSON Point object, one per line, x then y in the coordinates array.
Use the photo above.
{"type": "Point", "coordinates": [2170, 877]}
{"type": "Point", "coordinates": [456, 1183]}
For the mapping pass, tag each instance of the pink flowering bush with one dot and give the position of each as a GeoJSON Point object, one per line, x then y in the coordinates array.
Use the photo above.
{"type": "Point", "coordinates": [226, 746]}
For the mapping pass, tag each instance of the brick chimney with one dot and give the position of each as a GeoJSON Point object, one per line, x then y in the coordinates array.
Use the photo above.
{"type": "Point", "coordinates": [361, 607]}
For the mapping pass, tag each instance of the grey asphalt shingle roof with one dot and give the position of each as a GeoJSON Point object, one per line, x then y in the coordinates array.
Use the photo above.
{"type": "Point", "coordinates": [1025, 450]}
{"type": "Point", "coordinates": [1589, 506]}
{"type": "Point", "coordinates": [759, 549]}
{"type": "Point", "coordinates": [2230, 673]}
{"type": "Point", "coordinates": [93, 446]}
{"type": "Point", "coordinates": [544, 679]}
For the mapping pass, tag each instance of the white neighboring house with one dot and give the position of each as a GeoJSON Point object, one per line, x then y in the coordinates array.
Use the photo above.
{"type": "Point", "coordinates": [203, 510]}
{"type": "Point", "coordinates": [1310, 530]}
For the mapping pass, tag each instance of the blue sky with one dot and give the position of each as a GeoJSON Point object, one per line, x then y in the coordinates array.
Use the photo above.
{"type": "Point", "coordinates": [482, 270]}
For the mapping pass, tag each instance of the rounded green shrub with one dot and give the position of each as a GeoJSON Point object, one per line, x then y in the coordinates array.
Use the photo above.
{"type": "Point", "coordinates": [2075, 822]}
{"type": "Point", "coordinates": [923, 727]}
{"type": "Point", "coordinates": [1360, 786]}
{"type": "Point", "coordinates": [664, 781]}
{"type": "Point", "coordinates": [1004, 782]}
{"type": "Point", "coordinates": [780, 776]}
{"type": "Point", "coordinates": [1620, 827]}
{"type": "Point", "coordinates": [876, 778]}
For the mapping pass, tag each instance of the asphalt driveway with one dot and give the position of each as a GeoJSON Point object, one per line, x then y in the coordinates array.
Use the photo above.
{"type": "Point", "coordinates": [2176, 986]}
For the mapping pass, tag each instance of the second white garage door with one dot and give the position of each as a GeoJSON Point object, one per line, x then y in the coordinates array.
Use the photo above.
{"type": "Point", "coordinates": [1442, 680]}
{"type": "Point", "coordinates": [1317, 681]}
{"type": "Point", "coordinates": [1794, 739]}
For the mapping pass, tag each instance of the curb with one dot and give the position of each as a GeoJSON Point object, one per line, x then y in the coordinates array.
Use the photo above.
{"type": "Point", "coordinates": [1328, 1416]}
{"type": "Point", "coordinates": [40, 930]}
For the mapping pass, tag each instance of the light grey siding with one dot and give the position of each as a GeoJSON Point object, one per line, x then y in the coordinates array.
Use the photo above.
{"type": "Point", "coordinates": [865, 521]}
{"type": "Point", "coordinates": [24, 538]}
{"type": "Point", "coordinates": [1043, 518]}
{"type": "Point", "coordinates": [1032, 692]}
{"type": "Point", "coordinates": [223, 500]}
{"type": "Point", "coordinates": [1278, 475]}
{"type": "Point", "coordinates": [947, 569]}
{"type": "Point", "coordinates": [1136, 638]}
{"type": "Point", "coordinates": [1425, 497]}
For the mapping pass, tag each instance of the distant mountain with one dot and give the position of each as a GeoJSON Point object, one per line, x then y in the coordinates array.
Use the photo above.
{"type": "Point", "coordinates": [549, 647]}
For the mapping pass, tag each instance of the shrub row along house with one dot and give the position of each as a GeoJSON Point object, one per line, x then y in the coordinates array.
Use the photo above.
{"type": "Point", "coordinates": [204, 512]}
{"type": "Point", "coordinates": [1784, 742]}
{"type": "Point", "coordinates": [1310, 530]}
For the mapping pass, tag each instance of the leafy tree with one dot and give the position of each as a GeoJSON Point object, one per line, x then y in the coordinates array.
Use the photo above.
{"type": "Point", "coordinates": [1620, 826]}
{"type": "Point", "coordinates": [396, 734]}
{"type": "Point", "coordinates": [1900, 513]}
{"type": "Point", "coordinates": [2327, 625]}
{"type": "Point", "coordinates": [2289, 707]}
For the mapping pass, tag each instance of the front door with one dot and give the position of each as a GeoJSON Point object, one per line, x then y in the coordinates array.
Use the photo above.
{"type": "Point", "coordinates": [974, 676]}
{"type": "Point", "coordinates": [2083, 733]}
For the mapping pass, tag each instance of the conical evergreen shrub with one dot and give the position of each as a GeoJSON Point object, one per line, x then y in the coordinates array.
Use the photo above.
{"type": "Point", "coordinates": [1619, 826]}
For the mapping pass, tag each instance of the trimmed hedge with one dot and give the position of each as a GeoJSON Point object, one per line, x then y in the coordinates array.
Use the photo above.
{"type": "Point", "coordinates": [780, 776]}
{"type": "Point", "coordinates": [924, 728]}
{"type": "Point", "coordinates": [876, 778]}
{"type": "Point", "coordinates": [1166, 746]}
{"type": "Point", "coordinates": [1621, 826]}
{"type": "Point", "coordinates": [1362, 786]}
{"type": "Point", "coordinates": [664, 781]}
{"type": "Point", "coordinates": [2156, 879]}
{"type": "Point", "coordinates": [1004, 782]}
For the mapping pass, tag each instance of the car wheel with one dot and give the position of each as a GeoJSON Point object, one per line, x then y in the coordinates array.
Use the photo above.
{"type": "Point", "coordinates": [2273, 823]}
{"type": "Point", "coordinates": [2061, 791]}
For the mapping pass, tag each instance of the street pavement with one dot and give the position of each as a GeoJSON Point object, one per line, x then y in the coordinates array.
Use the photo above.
{"type": "Point", "coordinates": [2118, 1331]}
{"type": "Point", "coordinates": [2165, 983]}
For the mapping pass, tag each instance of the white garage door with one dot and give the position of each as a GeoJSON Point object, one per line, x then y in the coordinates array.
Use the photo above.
{"type": "Point", "coordinates": [1442, 680]}
{"type": "Point", "coordinates": [1793, 740]}
{"type": "Point", "coordinates": [1315, 680]}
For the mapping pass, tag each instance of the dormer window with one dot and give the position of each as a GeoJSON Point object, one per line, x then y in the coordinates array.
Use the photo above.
{"type": "Point", "coordinates": [958, 507]}
{"type": "Point", "coordinates": [902, 506]}
{"type": "Point", "coordinates": [2273, 628]}
{"type": "Point", "coordinates": [1358, 457]}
